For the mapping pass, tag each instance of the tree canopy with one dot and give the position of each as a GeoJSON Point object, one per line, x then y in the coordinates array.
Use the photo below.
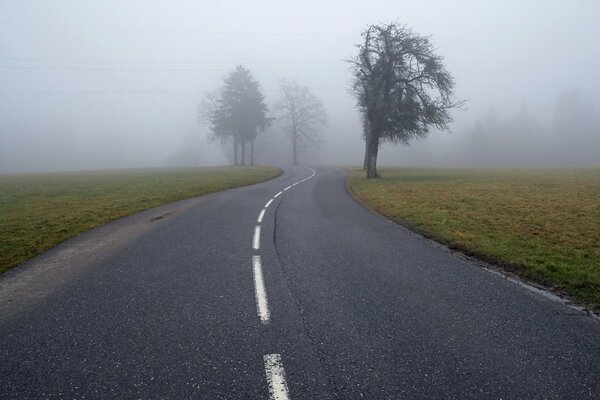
{"type": "Point", "coordinates": [238, 111]}
{"type": "Point", "coordinates": [402, 87]}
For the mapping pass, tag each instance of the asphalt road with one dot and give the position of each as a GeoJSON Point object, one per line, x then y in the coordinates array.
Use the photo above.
{"type": "Point", "coordinates": [326, 301]}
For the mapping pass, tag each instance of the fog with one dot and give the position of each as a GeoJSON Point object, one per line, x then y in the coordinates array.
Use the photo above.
{"type": "Point", "coordinates": [117, 84]}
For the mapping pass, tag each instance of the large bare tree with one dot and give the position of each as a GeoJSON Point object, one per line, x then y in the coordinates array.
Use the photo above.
{"type": "Point", "coordinates": [302, 113]}
{"type": "Point", "coordinates": [402, 87]}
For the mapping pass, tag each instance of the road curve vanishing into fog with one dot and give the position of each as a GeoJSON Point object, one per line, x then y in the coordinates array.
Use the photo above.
{"type": "Point", "coordinates": [287, 289]}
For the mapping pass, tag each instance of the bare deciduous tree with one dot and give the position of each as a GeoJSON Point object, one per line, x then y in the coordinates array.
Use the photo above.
{"type": "Point", "coordinates": [303, 113]}
{"type": "Point", "coordinates": [402, 88]}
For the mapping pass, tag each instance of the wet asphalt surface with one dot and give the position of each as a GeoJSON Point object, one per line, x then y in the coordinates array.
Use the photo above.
{"type": "Point", "coordinates": [360, 309]}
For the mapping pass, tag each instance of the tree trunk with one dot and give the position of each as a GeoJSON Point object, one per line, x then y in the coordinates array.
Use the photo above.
{"type": "Point", "coordinates": [235, 153]}
{"type": "Point", "coordinates": [366, 159]}
{"type": "Point", "coordinates": [295, 147]}
{"type": "Point", "coordinates": [243, 153]}
{"type": "Point", "coordinates": [252, 152]}
{"type": "Point", "coordinates": [366, 132]}
{"type": "Point", "coordinates": [372, 149]}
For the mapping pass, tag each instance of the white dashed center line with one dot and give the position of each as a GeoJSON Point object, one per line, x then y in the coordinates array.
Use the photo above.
{"type": "Point", "coordinates": [261, 215]}
{"type": "Point", "coordinates": [256, 238]}
{"type": "Point", "coordinates": [262, 305]}
{"type": "Point", "coordinates": [278, 389]}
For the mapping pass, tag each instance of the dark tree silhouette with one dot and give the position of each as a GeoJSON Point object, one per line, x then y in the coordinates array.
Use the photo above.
{"type": "Point", "coordinates": [303, 114]}
{"type": "Point", "coordinates": [402, 88]}
{"type": "Point", "coordinates": [237, 112]}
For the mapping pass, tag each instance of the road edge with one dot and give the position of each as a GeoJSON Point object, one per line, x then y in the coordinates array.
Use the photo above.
{"type": "Point", "coordinates": [23, 263]}
{"type": "Point", "coordinates": [31, 281]}
{"type": "Point", "coordinates": [505, 271]}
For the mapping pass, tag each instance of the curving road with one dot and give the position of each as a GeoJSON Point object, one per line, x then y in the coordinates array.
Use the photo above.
{"type": "Point", "coordinates": [251, 294]}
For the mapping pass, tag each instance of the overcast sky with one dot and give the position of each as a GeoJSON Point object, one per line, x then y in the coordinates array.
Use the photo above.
{"type": "Point", "coordinates": [115, 84]}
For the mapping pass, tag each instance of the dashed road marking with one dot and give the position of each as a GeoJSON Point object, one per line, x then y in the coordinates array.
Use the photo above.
{"type": "Point", "coordinates": [278, 389]}
{"type": "Point", "coordinates": [256, 238]}
{"type": "Point", "coordinates": [262, 305]}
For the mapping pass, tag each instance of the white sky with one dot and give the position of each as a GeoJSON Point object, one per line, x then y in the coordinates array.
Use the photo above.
{"type": "Point", "coordinates": [116, 83]}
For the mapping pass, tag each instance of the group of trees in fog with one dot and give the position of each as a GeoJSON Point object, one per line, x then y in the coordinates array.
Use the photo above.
{"type": "Point", "coordinates": [402, 88]}
{"type": "Point", "coordinates": [403, 91]}
{"type": "Point", "coordinates": [238, 113]}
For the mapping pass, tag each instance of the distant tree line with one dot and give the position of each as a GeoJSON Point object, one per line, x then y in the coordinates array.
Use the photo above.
{"type": "Point", "coordinates": [570, 137]}
{"type": "Point", "coordinates": [401, 85]}
{"type": "Point", "coordinates": [237, 113]}
{"type": "Point", "coordinates": [566, 132]}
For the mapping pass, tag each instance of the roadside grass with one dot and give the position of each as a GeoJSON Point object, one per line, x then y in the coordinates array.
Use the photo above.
{"type": "Point", "coordinates": [541, 223]}
{"type": "Point", "coordinates": [38, 211]}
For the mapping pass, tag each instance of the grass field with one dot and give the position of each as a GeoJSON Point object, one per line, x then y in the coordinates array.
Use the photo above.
{"type": "Point", "coordinates": [543, 224]}
{"type": "Point", "coordinates": [38, 211]}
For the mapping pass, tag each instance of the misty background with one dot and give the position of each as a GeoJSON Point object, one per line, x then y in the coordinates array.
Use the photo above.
{"type": "Point", "coordinates": [117, 84]}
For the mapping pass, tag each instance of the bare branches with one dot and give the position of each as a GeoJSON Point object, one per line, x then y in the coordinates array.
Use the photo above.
{"type": "Point", "coordinates": [401, 85]}
{"type": "Point", "coordinates": [303, 113]}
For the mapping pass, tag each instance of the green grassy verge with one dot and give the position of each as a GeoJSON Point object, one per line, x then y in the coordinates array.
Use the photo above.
{"type": "Point", "coordinates": [543, 224]}
{"type": "Point", "coordinates": [38, 211]}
